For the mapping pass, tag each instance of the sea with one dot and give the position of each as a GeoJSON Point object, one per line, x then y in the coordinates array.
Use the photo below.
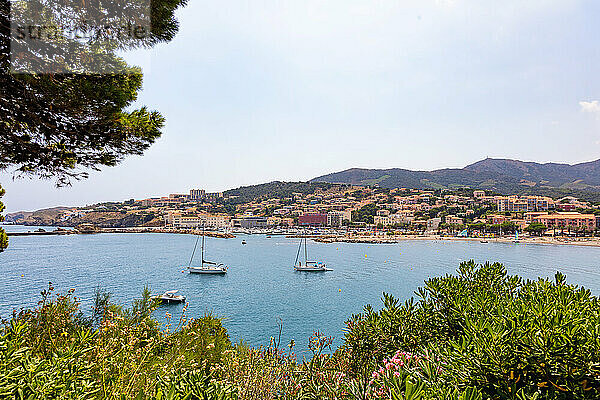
{"type": "Point", "coordinates": [261, 293]}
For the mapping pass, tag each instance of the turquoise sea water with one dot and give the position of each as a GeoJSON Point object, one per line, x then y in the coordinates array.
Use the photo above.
{"type": "Point", "coordinates": [261, 286]}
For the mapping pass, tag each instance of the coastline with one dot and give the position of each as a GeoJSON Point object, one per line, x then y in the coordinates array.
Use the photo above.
{"type": "Point", "coordinates": [589, 242]}
{"type": "Point", "coordinates": [327, 238]}
{"type": "Point", "coordinates": [71, 231]}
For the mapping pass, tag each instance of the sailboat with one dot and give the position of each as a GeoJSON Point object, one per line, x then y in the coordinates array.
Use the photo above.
{"type": "Point", "coordinates": [309, 266]}
{"type": "Point", "coordinates": [206, 267]}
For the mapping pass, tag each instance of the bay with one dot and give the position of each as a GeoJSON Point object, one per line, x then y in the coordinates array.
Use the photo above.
{"type": "Point", "coordinates": [261, 287]}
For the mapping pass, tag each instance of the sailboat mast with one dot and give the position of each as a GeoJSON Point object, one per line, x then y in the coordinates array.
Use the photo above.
{"type": "Point", "coordinates": [305, 253]}
{"type": "Point", "coordinates": [203, 245]}
{"type": "Point", "coordinates": [193, 252]}
{"type": "Point", "coordinates": [298, 252]}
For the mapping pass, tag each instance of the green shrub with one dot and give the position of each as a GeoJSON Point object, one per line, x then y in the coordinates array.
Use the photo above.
{"type": "Point", "coordinates": [509, 338]}
{"type": "Point", "coordinates": [65, 374]}
{"type": "Point", "coordinates": [478, 335]}
{"type": "Point", "coordinates": [53, 351]}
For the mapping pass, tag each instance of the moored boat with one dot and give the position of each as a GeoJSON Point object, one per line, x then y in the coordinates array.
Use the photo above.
{"type": "Point", "coordinates": [309, 266]}
{"type": "Point", "coordinates": [205, 267]}
{"type": "Point", "coordinates": [217, 269]}
{"type": "Point", "coordinates": [170, 296]}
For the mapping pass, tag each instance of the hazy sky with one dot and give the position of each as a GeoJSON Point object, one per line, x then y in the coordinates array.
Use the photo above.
{"type": "Point", "coordinates": [257, 91]}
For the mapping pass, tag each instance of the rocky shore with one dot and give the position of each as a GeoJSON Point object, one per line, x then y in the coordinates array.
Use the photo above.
{"type": "Point", "coordinates": [221, 235]}
{"type": "Point", "coordinates": [89, 230]}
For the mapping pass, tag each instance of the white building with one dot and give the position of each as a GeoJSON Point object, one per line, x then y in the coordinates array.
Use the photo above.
{"type": "Point", "coordinates": [433, 224]}
{"type": "Point", "coordinates": [211, 221]}
{"type": "Point", "coordinates": [335, 218]}
{"type": "Point", "coordinates": [197, 194]}
{"type": "Point", "coordinates": [392, 219]}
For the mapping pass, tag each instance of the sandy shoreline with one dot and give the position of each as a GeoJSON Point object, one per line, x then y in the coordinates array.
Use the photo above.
{"type": "Point", "coordinates": [372, 239]}
{"type": "Point", "coordinates": [593, 242]}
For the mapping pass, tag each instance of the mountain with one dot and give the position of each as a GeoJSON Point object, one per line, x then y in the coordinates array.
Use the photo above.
{"type": "Point", "coordinates": [582, 176]}
{"type": "Point", "coordinates": [279, 189]}
{"type": "Point", "coordinates": [498, 175]}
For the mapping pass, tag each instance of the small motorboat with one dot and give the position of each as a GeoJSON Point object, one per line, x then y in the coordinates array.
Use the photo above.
{"type": "Point", "coordinates": [243, 242]}
{"type": "Point", "coordinates": [483, 241]}
{"type": "Point", "coordinates": [170, 296]}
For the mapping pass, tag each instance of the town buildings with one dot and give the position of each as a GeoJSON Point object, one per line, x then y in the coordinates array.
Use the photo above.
{"type": "Point", "coordinates": [404, 209]}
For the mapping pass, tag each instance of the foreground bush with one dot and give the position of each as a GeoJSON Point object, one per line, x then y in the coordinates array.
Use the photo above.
{"type": "Point", "coordinates": [55, 352]}
{"type": "Point", "coordinates": [479, 335]}
{"type": "Point", "coordinates": [500, 335]}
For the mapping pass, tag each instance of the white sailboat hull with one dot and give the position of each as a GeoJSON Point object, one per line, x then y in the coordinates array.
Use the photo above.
{"type": "Point", "coordinates": [312, 269]}
{"type": "Point", "coordinates": [312, 266]}
{"type": "Point", "coordinates": [207, 270]}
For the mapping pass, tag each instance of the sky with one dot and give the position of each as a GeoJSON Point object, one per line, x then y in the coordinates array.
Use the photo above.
{"type": "Point", "coordinates": [289, 90]}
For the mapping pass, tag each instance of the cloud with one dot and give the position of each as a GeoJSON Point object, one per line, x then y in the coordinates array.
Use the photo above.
{"type": "Point", "coordinates": [590, 107]}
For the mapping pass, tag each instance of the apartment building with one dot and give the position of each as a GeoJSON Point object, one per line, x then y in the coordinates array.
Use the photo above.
{"type": "Point", "coordinates": [250, 222]}
{"type": "Point", "coordinates": [216, 221]}
{"type": "Point", "coordinates": [335, 218]}
{"type": "Point", "coordinates": [524, 204]}
{"type": "Point", "coordinates": [497, 219]}
{"type": "Point", "coordinates": [210, 221]}
{"type": "Point", "coordinates": [162, 201]}
{"type": "Point", "coordinates": [433, 224]}
{"type": "Point", "coordinates": [312, 219]}
{"type": "Point", "coordinates": [568, 220]}
{"type": "Point", "coordinates": [382, 220]}
{"type": "Point", "coordinates": [178, 220]}
{"type": "Point", "coordinates": [392, 219]}
{"type": "Point", "coordinates": [531, 216]}
{"type": "Point", "coordinates": [197, 194]}
{"type": "Point", "coordinates": [454, 220]}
